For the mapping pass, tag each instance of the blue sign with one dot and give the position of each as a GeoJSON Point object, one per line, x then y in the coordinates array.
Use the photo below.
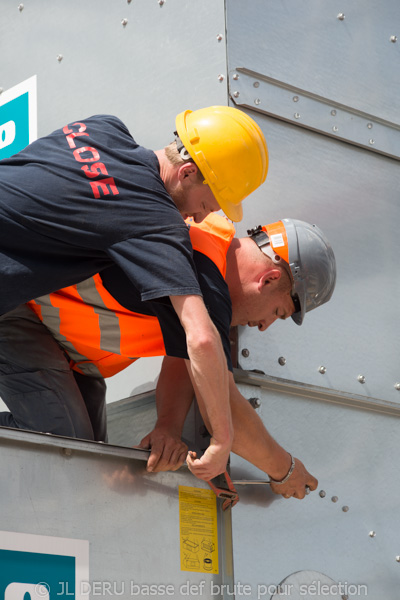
{"type": "Point", "coordinates": [17, 118]}
{"type": "Point", "coordinates": [36, 567]}
{"type": "Point", "coordinates": [44, 576]}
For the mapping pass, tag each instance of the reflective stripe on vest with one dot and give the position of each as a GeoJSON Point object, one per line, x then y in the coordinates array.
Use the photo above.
{"type": "Point", "coordinates": [100, 336]}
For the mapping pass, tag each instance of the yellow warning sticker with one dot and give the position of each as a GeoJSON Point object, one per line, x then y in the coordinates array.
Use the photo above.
{"type": "Point", "coordinates": [198, 530]}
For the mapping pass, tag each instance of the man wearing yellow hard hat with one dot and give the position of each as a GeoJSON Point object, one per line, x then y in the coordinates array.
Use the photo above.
{"type": "Point", "coordinates": [87, 197]}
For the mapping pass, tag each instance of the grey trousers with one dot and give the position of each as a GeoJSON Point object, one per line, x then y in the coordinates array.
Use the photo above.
{"type": "Point", "coordinates": [38, 386]}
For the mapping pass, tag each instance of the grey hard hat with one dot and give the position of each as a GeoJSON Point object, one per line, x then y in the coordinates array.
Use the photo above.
{"type": "Point", "coordinates": [309, 256]}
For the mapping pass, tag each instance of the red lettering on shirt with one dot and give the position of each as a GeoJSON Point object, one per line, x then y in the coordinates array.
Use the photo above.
{"type": "Point", "coordinates": [88, 154]}
{"type": "Point", "coordinates": [72, 134]}
{"type": "Point", "coordinates": [95, 169]}
{"type": "Point", "coordinates": [102, 185]}
{"type": "Point", "coordinates": [93, 151]}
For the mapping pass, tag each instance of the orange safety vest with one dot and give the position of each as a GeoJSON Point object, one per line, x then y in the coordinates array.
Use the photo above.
{"type": "Point", "coordinates": [100, 336]}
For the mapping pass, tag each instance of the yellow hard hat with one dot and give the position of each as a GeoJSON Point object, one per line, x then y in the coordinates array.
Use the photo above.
{"type": "Point", "coordinates": [230, 150]}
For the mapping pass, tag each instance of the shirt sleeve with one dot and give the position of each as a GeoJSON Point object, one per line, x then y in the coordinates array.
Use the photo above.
{"type": "Point", "coordinates": [159, 264]}
{"type": "Point", "coordinates": [218, 303]}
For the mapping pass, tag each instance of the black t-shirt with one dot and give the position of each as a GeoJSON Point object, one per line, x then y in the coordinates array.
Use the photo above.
{"type": "Point", "coordinates": [81, 199]}
{"type": "Point", "coordinates": [215, 294]}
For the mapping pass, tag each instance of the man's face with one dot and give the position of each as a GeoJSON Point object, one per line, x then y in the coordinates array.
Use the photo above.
{"type": "Point", "coordinates": [260, 307]}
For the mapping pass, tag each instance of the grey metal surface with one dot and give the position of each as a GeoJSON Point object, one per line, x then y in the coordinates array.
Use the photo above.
{"type": "Point", "coordinates": [353, 540]}
{"type": "Point", "coordinates": [83, 490]}
{"type": "Point", "coordinates": [304, 44]}
{"type": "Point", "coordinates": [165, 59]}
{"type": "Point", "coordinates": [352, 194]}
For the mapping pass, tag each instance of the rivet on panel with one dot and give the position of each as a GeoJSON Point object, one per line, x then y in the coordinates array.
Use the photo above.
{"type": "Point", "coordinates": [295, 98]}
{"type": "Point", "coordinates": [235, 76]}
{"type": "Point", "coordinates": [129, 1]}
{"type": "Point", "coordinates": [396, 385]}
{"type": "Point", "coordinates": [369, 125]}
{"type": "Point", "coordinates": [59, 57]}
{"type": "Point", "coordinates": [256, 84]}
{"type": "Point", "coordinates": [372, 142]}
{"type": "Point", "coordinates": [257, 101]}
{"type": "Point", "coordinates": [124, 22]}
{"type": "Point", "coordinates": [334, 498]}
{"type": "Point", "coordinates": [236, 94]}
{"type": "Point", "coordinates": [335, 128]}
{"type": "Point", "coordinates": [341, 17]}
{"type": "Point", "coordinates": [361, 378]}
{"type": "Point", "coordinates": [393, 38]}
{"type": "Point", "coordinates": [20, 7]}
{"type": "Point", "coordinates": [296, 115]}
{"type": "Point", "coordinates": [345, 508]}
{"type": "Point", "coordinates": [219, 37]}
{"type": "Point", "coordinates": [398, 558]}
{"type": "Point", "coordinates": [322, 370]}
{"type": "Point", "coordinates": [161, 2]}
{"type": "Point", "coordinates": [255, 402]}
{"type": "Point", "coordinates": [322, 494]}
{"type": "Point", "coordinates": [333, 113]}
{"type": "Point", "coordinates": [220, 78]}
{"type": "Point", "coordinates": [372, 534]}
{"type": "Point", "coordinates": [245, 352]}
{"type": "Point", "coordinates": [282, 360]}
{"type": "Point", "coordinates": [67, 451]}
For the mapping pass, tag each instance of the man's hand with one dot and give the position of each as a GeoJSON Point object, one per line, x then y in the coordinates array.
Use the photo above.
{"type": "Point", "coordinates": [168, 452]}
{"type": "Point", "coordinates": [212, 463]}
{"type": "Point", "coordinates": [295, 487]}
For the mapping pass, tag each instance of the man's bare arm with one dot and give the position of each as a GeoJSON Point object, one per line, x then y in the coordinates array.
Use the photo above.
{"type": "Point", "coordinates": [209, 374]}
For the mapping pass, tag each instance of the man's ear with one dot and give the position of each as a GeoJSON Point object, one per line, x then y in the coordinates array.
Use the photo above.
{"type": "Point", "coordinates": [269, 276]}
{"type": "Point", "coordinates": [186, 170]}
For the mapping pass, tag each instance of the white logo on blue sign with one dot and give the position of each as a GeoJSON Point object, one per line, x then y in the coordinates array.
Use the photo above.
{"type": "Point", "coordinates": [18, 117]}
{"type": "Point", "coordinates": [34, 567]}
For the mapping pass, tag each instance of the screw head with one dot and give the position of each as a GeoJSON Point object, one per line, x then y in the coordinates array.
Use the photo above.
{"type": "Point", "coordinates": [396, 385]}
{"type": "Point", "coordinates": [393, 38]}
{"type": "Point", "coordinates": [20, 7]}
{"type": "Point", "coordinates": [333, 113]}
{"type": "Point", "coordinates": [341, 17]}
{"type": "Point", "coordinates": [334, 498]}
{"type": "Point", "coordinates": [296, 115]}
{"type": "Point", "coordinates": [361, 378]}
{"type": "Point", "coordinates": [257, 101]}
{"type": "Point", "coordinates": [124, 22]}
{"type": "Point", "coordinates": [282, 360]}
{"type": "Point", "coordinates": [398, 558]}
{"type": "Point", "coordinates": [372, 142]}
{"type": "Point", "coordinates": [322, 370]}
{"type": "Point", "coordinates": [219, 37]}
{"type": "Point", "coordinates": [161, 2]}
{"type": "Point", "coordinates": [295, 98]}
{"type": "Point", "coordinates": [345, 508]}
{"type": "Point", "coordinates": [256, 84]}
{"type": "Point", "coordinates": [335, 128]}
{"type": "Point", "coordinates": [220, 78]}
{"type": "Point", "coordinates": [59, 57]}
{"type": "Point", "coordinates": [322, 494]}
{"type": "Point", "coordinates": [255, 402]}
{"type": "Point", "coordinates": [236, 94]}
{"type": "Point", "coordinates": [245, 352]}
{"type": "Point", "coordinates": [369, 125]}
{"type": "Point", "coordinates": [372, 534]}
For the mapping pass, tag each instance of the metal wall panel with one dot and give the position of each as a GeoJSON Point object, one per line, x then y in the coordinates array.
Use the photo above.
{"type": "Point", "coordinates": [351, 193]}
{"type": "Point", "coordinates": [353, 538]}
{"type": "Point", "coordinates": [84, 490]}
